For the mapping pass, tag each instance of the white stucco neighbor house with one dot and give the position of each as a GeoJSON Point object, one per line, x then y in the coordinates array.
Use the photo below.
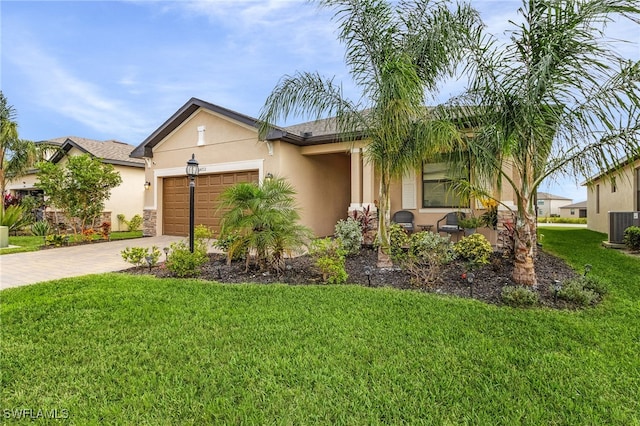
{"type": "Point", "coordinates": [127, 198]}
{"type": "Point", "coordinates": [575, 210]}
{"type": "Point", "coordinates": [548, 205]}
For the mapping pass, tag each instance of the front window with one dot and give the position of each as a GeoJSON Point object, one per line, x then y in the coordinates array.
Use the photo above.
{"type": "Point", "coordinates": [437, 186]}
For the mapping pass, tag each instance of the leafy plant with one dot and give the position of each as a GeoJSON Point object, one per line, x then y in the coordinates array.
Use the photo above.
{"type": "Point", "coordinates": [264, 221]}
{"type": "Point", "coordinates": [182, 262]}
{"type": "Point", "coordinates": [105, 230]}
{"type": "Point", "coordinates": [231, 239]}
{"type": "Point", "coordinates": [490, 217]}
{"type": "Point", "coordinates": [330, 257]}
{"type": "Point", "coordinates": [41, 228]}
{"type": "Point", "coordinates": [137, 256]}
{"type": "Point", "coordinates": [87, 234]}
{"type": "Point", "coordinates": [399, 241]}
{"type": "Point", "coordinates": [428, 252]}
{"type": "Point", "coordinates": [132, 225]}
{"type": "Point", "coordinates": [470, 222]}
{"type": "Point", "coordinates": [475, 249]}
{"type": "Point", "coordinates": [632, 238]}
{"type": "Point", "coordinates": [13, 217]}
{"type": "Point", "coordinates": [518, 296]}
{"type": "Point", "coordinates": [574, 291]}
{"type": "Point", "coordinates": [350, 233]}
{"type": "Point", "coordinates": [56, 240]}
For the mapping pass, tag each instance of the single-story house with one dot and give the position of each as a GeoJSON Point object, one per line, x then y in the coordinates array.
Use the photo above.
{"type": "Point", "coordinates": [578, 210]}
{"type": "Point", "coordinates": [126, 199]}
{"type": "Point", "coordinates": [331, 177]}
{"type": "Point", "coordinates": [614, 190]}
{"type": "Point", "coordinates": [548, 205]}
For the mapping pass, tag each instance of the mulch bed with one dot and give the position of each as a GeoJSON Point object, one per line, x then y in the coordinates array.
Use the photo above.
{"type": "Point", "coordinates": [487, 284]}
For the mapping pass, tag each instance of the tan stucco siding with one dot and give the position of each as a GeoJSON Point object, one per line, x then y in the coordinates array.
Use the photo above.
{"type": "Point", "coordinates": [127, 198]}
{"type": "Point", "coordinates": [322, 183]}
{"type": "Point", "coordinates": [623, 199]}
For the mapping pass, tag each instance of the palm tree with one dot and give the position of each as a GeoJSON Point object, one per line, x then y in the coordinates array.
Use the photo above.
{"type": "Point", "coordinates": [262, 219]}
{"type": "Point", "coordinates": [396, 55]}
{"type": "Point", "coordinates": [16, 155]}
{"type": "Point", "coordinates": [557, 100]}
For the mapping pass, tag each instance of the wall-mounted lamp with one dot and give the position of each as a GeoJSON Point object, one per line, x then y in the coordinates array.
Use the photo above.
{"type": "Point", "coordinates": [269, 176]}
{"type": "Point", "coordinates": [147, 185]}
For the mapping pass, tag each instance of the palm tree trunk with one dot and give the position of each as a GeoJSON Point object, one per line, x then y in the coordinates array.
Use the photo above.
{"type": "Point", "coordinates": [384, 213]}
{"type": "Point", "coordinates": [524, 272]}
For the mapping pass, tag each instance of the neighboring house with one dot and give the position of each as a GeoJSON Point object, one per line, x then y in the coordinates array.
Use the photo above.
{"type": "Point", "coordinates": [331, 177]}
{"type": "Point", "coordinates": [126, 199]}
{"type": "Point", "coordinates": [578, 210]}
{"type": "Point", "coordinates": [616, 190]}
{"type": "Point", "coordinates": [548, 205]}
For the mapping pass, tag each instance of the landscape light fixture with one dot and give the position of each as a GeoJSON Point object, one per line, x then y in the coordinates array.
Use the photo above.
{"type": "Point", "coordinates": [367, 272]}
{"type": "Point", "coordinates": [587, 268]}
{"type": "Point", "coordinates": [557, 286]}
{"type": "Point", "coordinates": [470, 277]}
{"type": "Point", "coordinates": [192, 171]}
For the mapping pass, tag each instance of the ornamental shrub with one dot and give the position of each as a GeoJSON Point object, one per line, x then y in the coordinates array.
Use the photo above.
{"type": "Point", "coordinates": [330, 257]}
{"type": "Point", "coordinates": [427, 253]}
{"type": "Point", "coordinates": [399, 241]}
{"type": "Point", "coordinates": [573, 290]}
{"type": "Point", "coordinates": [182, 262]}
{"type": "Point", "coordinates": [517, 296]}
{"type": "Point", "coordinates": [475, 249]}
{"type": "Point", "coordinates": [632, 238]}
{"type": "Point", "coordinates": [137, 256]}
{"type": "Point", "coordinates": [350, 233]}
{"type": "Point", "coordinates": [41, 228]}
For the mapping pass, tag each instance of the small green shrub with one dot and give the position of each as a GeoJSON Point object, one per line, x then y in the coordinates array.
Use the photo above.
{"type": "Point", "coordinates": [475, 249]}
{"type": "Point", "coordinates": [399, 241]}
{"type": "Point", "coordinates": [137, 256]}
{"type": "Point", "coordinates": [632, 238]}
{"type": "Point", "coordinates": [132, 225]}
{"type": "Point", "coordinates": [350, 233]}
{"type": "Point", "coordinates": [41, 228]}
{"type": "Point", "coordinates": [182, 262]}
{"type": "Point", "coordinates": [229, 241]}
{"type": "Point", "coordinates": [56, 240]}
{"type": "Point", "coordinates": [575, 290]}
{"type": "Point", "coordinates": [595, 284]}
{"type": "Point", "coordinates": [426, 255]}
{"type": "Point", "coordinates": [519, 297]}
{"type": "Point", "coordinates": [331, 259]}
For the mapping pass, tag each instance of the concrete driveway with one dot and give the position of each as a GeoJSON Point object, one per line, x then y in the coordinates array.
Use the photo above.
{"type": "Point", "coordinates": [28, 268]}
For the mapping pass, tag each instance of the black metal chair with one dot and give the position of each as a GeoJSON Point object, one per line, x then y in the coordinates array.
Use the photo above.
{"type": "Point", "coordinates": [404, 218]}
{"type": "Point", "coordinates": [450, 225]}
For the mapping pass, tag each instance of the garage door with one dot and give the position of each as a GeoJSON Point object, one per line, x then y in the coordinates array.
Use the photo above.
{"type": "Point", "coordinates": [175, 196]}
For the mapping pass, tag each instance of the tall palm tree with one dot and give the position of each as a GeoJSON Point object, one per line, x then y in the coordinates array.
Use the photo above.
{"type": "Point", "coordinates": [397, 53]}
{"type": "Point", "coordinates": [557, 100]}
{"type": "Point", "coordinates": [17, 155]}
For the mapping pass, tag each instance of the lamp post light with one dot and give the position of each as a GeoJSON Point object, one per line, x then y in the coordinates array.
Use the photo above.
{"type": "Point", "coordinates": [192, 172]}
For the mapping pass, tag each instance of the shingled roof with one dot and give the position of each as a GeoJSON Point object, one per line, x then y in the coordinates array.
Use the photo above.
{"type": "Point", "coordinates": [110, 151]}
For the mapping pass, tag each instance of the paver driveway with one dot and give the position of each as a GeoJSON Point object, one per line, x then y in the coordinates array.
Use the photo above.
{"type": "Point", "coordinates": [28, 268]}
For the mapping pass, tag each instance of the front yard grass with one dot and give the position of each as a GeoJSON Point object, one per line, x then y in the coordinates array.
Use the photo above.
{"type": "Point", "coordinates": [34, 243]}
{"type": "Point", "coordinates": [127, 349]}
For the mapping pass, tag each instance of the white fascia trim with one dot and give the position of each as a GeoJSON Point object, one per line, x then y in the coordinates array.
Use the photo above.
{"type": "Point", "coordinates": [206, 169]}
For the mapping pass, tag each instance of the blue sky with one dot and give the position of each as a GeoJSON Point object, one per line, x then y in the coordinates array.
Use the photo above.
{"type": "Point", "coordinates": [119, 69]}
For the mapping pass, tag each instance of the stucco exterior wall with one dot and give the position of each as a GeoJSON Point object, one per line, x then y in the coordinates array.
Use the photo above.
{"type": "Point", "coordinates": [228, 146]}
{"type": "Point", "coordinates": [322, 183]}
{"type": "Point", "coordinates": [621, 197]}
{"type": "Point", "coordinates": [127, 198]}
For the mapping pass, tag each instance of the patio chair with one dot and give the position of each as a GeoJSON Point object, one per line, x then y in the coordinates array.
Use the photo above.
{"type": "Point", "coordinates": [449, 223]}
{"type": "Point", "coordinates": [404, 218]}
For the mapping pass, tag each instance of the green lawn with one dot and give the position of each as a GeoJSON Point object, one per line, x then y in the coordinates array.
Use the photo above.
{"type": "Point", "coordinates": [137, 350]}
{"type": "Point", "coordinates": [33, 243]}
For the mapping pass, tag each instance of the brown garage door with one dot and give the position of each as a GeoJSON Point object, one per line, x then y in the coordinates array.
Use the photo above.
{"type": "Point", "coordinates": [175, 196]}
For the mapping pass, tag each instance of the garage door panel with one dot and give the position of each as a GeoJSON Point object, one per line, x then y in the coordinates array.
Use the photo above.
{"type": "Point", "coordinates": [175, 206]}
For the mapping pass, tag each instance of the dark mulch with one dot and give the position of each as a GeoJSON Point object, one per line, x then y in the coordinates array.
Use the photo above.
{"type": "Point", "coordinates": [487, 284]}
